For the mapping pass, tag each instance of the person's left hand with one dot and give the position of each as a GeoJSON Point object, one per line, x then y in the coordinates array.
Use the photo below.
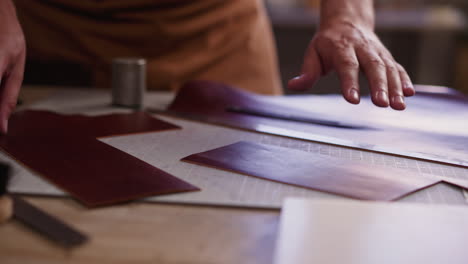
{"type": "Point", "coordinates": [346, 48]}
{"type": "Point", "coordinates": [12, 60]}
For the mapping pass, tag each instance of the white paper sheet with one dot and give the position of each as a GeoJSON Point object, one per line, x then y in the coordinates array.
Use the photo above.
{"type": "Point", "coordinates": [356, 232]}
{"type": "Point", "coordinates": [165, 149]}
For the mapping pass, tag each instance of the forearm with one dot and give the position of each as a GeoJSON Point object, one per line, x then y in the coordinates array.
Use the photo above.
{"type": "Point", "coordinates": [12, 59]}
{"type": "Point", "coordinates": [356, 12]}
{"type": "Point", "coordinates": [7, 13]}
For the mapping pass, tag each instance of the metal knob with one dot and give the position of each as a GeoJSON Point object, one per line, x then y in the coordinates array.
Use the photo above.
{"type": "Point", "coordinates": [128, 82]}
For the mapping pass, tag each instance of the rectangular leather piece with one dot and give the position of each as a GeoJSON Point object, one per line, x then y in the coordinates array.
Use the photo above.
{"type": "Point", "coordinates": [313, 171]}
{"type": "Point", "coordinates": [65, 150]}
{"type": "Point", "coordinates": [421, 131]}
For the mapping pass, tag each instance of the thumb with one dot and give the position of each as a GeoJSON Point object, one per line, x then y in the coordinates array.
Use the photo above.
{"type": "Point", "coordinates": [311, 71]}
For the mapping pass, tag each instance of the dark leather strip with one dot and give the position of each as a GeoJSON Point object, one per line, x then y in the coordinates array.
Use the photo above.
{"type": "Point", "coordinates": [46, 224]}
{"type": "Point", "coordinates": [313, 171]}
{"type": "Point", "coordinates": [64, 150]}
{"type": "Point", "coordinates": [290, 117]}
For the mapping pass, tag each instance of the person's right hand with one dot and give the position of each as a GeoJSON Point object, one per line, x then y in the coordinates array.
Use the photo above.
{"type": "Point", "coordinates": [346, 43]}
{"type": "Point", "coordinates": [346, 48]}
{"type": "Point", "coordinates": [12, 59]}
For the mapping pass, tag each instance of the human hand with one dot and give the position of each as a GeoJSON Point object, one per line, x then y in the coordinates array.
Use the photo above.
{"type": "Point", "coordinates": [347, 47]}
{"type": "Point", "coordinates": [12, 59]}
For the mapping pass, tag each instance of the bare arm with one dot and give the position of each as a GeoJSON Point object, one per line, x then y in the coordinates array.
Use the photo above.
{"type": "Point", "coordinates": [12, 58]}
{"type": "Point", "coordinates": [346, 43]}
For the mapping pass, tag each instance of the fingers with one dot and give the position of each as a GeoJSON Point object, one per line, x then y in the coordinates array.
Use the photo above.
{"type": "Point", "coordinates": [347, 52]}
{"type": "Point", "coordinates": [311, 70]}
{"type": "Point", "coordinates": [10, 87]}
{"type": "Point", "coordinates": [302, 82]}
{"type": "Point", "coordinates": [407, 84]}
{"type": "Point", "coordinates": [346, 66]}
{"type": "Point", "coordinates": [388, 81]}
{"type": "Point", "coordinates": [375, 70]}
{"type": "Point", "coordinates": [395, 91]}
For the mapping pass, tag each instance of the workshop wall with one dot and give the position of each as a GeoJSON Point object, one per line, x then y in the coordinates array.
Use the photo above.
{"type": "Point", "coordinates": [427, 37]}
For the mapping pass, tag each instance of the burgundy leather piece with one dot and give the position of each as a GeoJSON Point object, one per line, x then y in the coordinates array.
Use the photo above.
{"type": "Point", "coordinates": [65, 150]}
{"type": "Point", "coordinates": [207, 101]}
{"type": "Point", "coordinates": [313, 171]}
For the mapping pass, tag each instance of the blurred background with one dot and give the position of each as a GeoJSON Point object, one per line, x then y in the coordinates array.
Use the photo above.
{"type": "Point", "coordinates": [428, 37]}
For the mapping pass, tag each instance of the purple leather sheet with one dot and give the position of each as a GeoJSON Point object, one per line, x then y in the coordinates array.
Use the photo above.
{"type": "Point", "coordinates": [434, 126]}
{"type": "Point", "coordinates": [313, 171]}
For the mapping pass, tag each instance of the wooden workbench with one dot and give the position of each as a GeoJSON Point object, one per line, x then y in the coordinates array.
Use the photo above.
{"type": "Point", "coordinates": [141, 232]}
{"type": "Point", "coordinates": [147, 233]}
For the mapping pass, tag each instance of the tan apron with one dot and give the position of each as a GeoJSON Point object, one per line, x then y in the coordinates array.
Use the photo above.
{"type": "Point", "coordinates": [221, 40]}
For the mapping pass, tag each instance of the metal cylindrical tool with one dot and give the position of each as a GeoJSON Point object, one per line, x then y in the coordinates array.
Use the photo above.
{"type": "Point", "coordinates": [128, 82]}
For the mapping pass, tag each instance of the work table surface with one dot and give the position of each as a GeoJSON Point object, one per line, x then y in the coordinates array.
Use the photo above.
{"type": "Point", "coordinates": [147, 233]}
{"type": "Point", "coordinates": [143, 232]}
{"type": "Point", "coordinates": [140, 232]}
